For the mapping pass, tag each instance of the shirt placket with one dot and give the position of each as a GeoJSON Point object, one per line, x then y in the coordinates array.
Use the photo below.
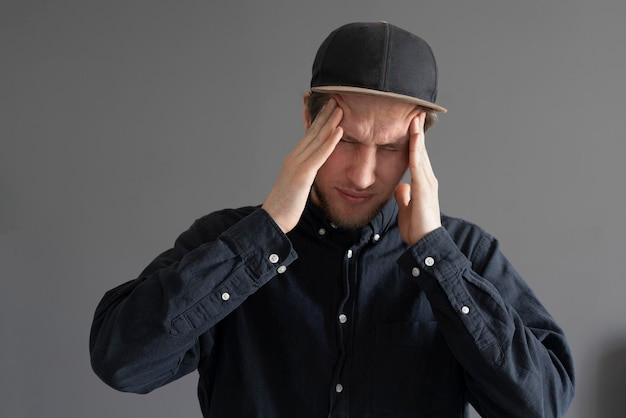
{"type": "Point", "coordinates": [339, 405]}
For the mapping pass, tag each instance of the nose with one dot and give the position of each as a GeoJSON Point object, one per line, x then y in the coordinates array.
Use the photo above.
{"type": "Point", "coordinates": [362, 171]}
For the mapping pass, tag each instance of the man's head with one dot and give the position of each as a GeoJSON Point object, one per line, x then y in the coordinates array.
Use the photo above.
{"type": "Point", "coordinates": [383, 78]}
{"type": "Point", "coordinates": [361, 174]}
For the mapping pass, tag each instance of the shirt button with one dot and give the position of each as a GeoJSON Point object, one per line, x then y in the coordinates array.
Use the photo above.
{"type": "Point", "coordinates": [349, 254]}
{"type": "Point", "coordinates": [343, 318]}
{"type": "Point", "coordinates": [322, 231]}
{"type": "Point", "coordinates": [274, 258]}
{"type": "Point", "coordinates": [376, 237]}
{"type": "Point", "coordinates": [429, 261]}
{"type": "Point", "coordinates": [465, 310]}
{"type": "Point", "coordinates": [332, 225]}
{"type": "Point", "coordinates": [281, 269]}
{"type": "Point", "coordinates": [415, 272]}
{"type": "Point", "coordinates": [225, 296]}
{"type": "Point", "coordinates": [339, 388]}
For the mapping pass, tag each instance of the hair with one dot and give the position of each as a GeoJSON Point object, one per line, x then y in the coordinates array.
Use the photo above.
{"type": "Point", "coordinates": [317, 100]}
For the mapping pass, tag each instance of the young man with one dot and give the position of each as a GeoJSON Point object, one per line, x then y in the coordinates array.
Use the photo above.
{"type": "Point", "coordinates": [344, 294]}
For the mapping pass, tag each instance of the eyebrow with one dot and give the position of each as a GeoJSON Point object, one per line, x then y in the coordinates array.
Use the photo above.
{"type": "Point", "coordinates": [399, 143]}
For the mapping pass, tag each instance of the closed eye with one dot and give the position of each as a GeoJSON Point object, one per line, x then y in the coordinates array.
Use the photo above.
{"type": "Point", "coordinates": [393, 147]}
{"type": "Point", "coordinates": [390, 147]}
{"type": "Point", "coordinates": [348, 143]}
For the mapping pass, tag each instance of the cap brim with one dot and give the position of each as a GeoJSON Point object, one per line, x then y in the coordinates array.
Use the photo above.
{"type": "Point", "coordinates": [378, 93]}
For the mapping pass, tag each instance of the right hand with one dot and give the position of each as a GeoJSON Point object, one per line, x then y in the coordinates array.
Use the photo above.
{"type": "Point", "coordinates": [289, 195]}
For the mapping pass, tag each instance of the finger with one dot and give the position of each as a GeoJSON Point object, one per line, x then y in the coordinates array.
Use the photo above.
{"type": "Point", "coordinates": [326, 139]}
{"type": "Point", "coordinates": [313, 129]}
{"type": "Point", "coordinates": [331, 124]}
{"type": "Point", "coordinates": [418, 153]}
{"type": "Point", "coordinates": [427, 162]}
{"type": "Point", "coordinates": [319, 154]}
{"type": "Point", "coordinates": [416, 144]}
{"type": "Point", "coordinates": [322, 129]}
{"type": "Point", "coordinates": [416, 130]}
{"type": "Point", "coordinates": [323, 117]}
{"type": "Point", "coordinates": [321, 135]}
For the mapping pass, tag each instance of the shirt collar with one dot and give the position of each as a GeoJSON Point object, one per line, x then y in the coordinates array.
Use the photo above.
{"type": "Point", "coordinates": [314, 219]}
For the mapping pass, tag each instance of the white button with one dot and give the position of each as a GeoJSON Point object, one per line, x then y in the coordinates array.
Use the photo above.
{"type": "Point", "coordinates": [429, 261]}
{"type": "Point", "coordinates": [465, 310]}
{"type": "Point", "coordinates": [349, 253]}
{"type": "Point", "coordinates": [322, 231]}
{"type": "Point", "coordinates": [281, 269]}
{"type": "Point", "coordinates": [333, 225]}
{"type": "Point", "coordinates": [415, 272]}
{"type": "Point", "coordinates": [225, 296]}
{"type": "Point", "coordinates": [376, 237]}
{"type": "Point", "coordinates": [339, 388]}
{"type": "Point", "coordinates": [274, 258]}
{"type": "Point", "coordinates": [343, 318]}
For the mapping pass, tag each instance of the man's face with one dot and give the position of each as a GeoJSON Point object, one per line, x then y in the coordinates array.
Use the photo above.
{"type": "Point", "coordinates": [361, 174]}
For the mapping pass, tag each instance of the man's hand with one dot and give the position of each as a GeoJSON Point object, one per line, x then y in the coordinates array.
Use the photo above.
{"type": "Point", "coordinates": [418, 202]}
{"type": "Point", "coordinates": [289, 195]}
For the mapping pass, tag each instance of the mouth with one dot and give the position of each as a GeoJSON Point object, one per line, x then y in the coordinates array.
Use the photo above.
{"type": "Point", "coordinates": [354, 197]}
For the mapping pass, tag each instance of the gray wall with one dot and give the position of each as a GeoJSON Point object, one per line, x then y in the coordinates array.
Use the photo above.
{"type": "Point", "coordinates": [123, 121]}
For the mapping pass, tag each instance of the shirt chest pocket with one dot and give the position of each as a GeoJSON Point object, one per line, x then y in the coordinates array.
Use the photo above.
{"type": "Point", "coordinates": [414, 373]}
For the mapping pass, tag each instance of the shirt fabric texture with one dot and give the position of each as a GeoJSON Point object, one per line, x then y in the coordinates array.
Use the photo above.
{"type": "Point", "coordinates": [324, 322]}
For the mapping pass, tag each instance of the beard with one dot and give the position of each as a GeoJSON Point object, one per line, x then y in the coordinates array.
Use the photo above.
{"type": "Point", "coordinates": [352, 222]}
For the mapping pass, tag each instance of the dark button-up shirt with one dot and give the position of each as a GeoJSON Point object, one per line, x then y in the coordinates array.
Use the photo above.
{"type": "Point", "coordinates": [323, 322]}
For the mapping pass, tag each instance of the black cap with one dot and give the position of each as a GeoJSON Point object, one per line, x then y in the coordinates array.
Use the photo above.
{"type": "Point", "coordinates": [377, 59]}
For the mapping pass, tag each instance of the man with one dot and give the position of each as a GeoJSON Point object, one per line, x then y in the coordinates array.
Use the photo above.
{"type": "Point", "coordinates": [344, 294]}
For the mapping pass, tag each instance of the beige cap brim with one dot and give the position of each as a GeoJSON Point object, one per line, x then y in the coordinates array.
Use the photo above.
{"type": "Point", "coordinates": [378, 93]}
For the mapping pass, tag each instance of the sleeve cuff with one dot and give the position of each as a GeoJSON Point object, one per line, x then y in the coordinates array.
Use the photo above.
{"type": "Point", "coordinates": [262, 245]}
{"type": "Point", "coordinates": [435, 255]}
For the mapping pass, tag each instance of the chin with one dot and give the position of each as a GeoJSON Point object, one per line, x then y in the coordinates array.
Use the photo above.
{"type": "Point", "coordinates": [351, 219]}
{"type": "Point", "coordinates": [345, 216]}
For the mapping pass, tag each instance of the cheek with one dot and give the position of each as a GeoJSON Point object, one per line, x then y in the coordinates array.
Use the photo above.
{"type": "Point", "coordinates": [329, 171]}
{"type": "Point", "coordinates": [392, 167]}
{"type": "Point", "coordinates": [336, 162]}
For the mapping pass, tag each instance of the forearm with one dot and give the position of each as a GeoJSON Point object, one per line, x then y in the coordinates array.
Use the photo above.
{"type": "Point", "coordinates": [516, 359]}
{"type": "Point", "coordinates": [145, 329]}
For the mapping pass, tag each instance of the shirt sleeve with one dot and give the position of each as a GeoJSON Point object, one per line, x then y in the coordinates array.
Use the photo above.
{"type": "Point", "coordinates": [516, 359]}
{"type": "Point", "coordinates": [145, 332]}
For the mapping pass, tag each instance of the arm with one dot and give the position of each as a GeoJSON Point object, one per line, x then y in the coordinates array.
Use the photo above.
{"type": "Point", "coordinates": [516, 359]}
{"type": "Point", "coordinates": [145, 332]}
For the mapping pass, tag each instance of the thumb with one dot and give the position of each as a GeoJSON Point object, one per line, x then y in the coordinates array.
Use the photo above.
{"type": "Point", "coordinates": [403, 196]}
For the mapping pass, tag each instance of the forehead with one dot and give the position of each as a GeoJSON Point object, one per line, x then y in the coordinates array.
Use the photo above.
{"type": "Point", "coordinates": [369, 117]}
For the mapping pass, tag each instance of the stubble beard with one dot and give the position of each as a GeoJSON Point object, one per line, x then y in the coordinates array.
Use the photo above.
{"type": "Point", "coordinates": [342, 222]}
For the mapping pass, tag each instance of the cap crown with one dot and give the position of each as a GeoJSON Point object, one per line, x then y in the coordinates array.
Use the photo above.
{"type": "Point", "coordinates": [377, 58]}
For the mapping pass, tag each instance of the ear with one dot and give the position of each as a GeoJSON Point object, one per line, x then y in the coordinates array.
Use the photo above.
{"type": "Point", "coordinates": [306, 115]}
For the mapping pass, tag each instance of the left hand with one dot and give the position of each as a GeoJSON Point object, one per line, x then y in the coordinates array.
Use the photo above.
{"type": "Point", "coordinates": [418, 202]}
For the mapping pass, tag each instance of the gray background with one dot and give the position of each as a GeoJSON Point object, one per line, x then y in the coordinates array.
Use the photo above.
{"type": "Point", "coordinates": [122, 122]}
